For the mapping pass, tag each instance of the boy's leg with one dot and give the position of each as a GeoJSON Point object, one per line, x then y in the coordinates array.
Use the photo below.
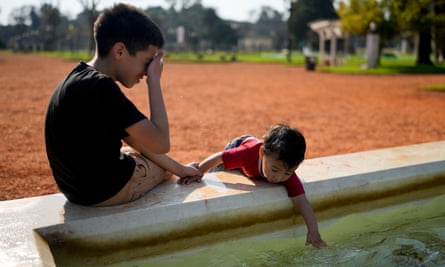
{"type": "Point", "coordinates": [145, 177]}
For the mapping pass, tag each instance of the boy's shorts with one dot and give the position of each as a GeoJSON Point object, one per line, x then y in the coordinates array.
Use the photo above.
{"type": "Point", "coordinates": [145, 177]}
{"type": "Point", "coordinates": [237, 142]}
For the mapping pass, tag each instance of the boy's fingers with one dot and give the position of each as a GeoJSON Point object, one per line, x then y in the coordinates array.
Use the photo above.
{"type": "Point", "coordinates": [189, 179]}
{"type": "Point", "coordinates": [196, 179]}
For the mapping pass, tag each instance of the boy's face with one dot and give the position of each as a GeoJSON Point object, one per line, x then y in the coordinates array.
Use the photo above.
{"type": "Point", "coordinates": [134, 68]}
{"type": "Point", "coordinates": [274, 170]}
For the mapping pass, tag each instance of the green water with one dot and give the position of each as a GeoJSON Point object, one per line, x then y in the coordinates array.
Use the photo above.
{"type": "Point", "coordinates": [410, 235]}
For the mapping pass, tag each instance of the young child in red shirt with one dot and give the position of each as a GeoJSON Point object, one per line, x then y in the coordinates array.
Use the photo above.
{"type": "Point", "coordinates": [275, 158]}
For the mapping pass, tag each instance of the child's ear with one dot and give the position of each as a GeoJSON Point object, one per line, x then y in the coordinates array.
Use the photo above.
{"type": "Point", "coordinates": [261, 151]}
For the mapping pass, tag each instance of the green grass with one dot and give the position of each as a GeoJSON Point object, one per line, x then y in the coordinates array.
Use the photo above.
{"type": "Point", "coordinates": [68, 55]}
{"type": "Point", "coordinates": [437, 87]}
{"type": "Point", "coordinates": [390, 63]}
{"type": "Point", "coordinates": [252, 57]}
{"type": "Point", "coordinates": [209, 57]}
{"type": "Point", "coordinates": [402, 64]}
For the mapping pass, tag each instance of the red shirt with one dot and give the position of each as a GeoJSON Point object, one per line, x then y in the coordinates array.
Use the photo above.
{"type": "Point", "coordinates": [246, 157]}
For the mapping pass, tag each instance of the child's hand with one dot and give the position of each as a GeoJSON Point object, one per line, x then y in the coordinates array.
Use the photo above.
{"type": "Point", "coordinates": [189, 179]}
{"type": "Point", "coordinates": [315, 240]}
{"type": "Point", "coordinates": [192, 174]}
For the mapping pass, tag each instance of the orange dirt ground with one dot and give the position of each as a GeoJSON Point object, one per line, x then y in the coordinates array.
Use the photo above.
{"type": "Point", "coordinates": [208, 104]}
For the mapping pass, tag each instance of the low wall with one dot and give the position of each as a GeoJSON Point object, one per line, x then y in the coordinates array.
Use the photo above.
{"type": "Point", "coordinates": [47, 230]}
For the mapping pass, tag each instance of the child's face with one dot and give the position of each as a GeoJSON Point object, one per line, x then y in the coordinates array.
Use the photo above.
{"type": "Point", "coordinates": [274, 170]}
{"type": "Point", "coordinates": [134, 68]}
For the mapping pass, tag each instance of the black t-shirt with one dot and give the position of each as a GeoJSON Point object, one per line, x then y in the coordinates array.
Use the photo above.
{"type": "Point", "coordinates": [85, 122]}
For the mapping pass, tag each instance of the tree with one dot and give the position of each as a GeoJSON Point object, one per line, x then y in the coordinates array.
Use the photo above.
{"type": "Point", "coordinates": [20, 15]}
{"type": "Point", "coordinates": [51, 18]}
{"type": "Point", "coordinates": [424, 49]}
{"type": "Point", "coordinates": [357, 16]}
{"type": "Point", "coordinates": [439, 30]}
{"type": "Point", "coordinates": [270, 23]}
{"type": "Point", "coordinates": [90, 10]}
{"type": "Point", "coordinates": [305, 11]}
{"type": "Point", "coordinates": [416, 16]}
{"type": "Point", "coordinates": [36, 21]}
{"type": "Point", "coordinates": [184, 4]}
{"type": "Point", "coordinates": [218, 32]}
{"type": "Point", "coordinates": [395, 17]}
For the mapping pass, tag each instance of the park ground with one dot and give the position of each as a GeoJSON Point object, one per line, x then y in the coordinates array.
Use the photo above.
{"type": "Point", "coordinates": [209, 104]}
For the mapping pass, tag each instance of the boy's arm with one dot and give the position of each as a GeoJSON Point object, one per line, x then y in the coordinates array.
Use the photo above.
{"type": "Point", "coordinates": [313, 236]}
{"type": "Point", "coordinates": [164, 161]}
{"type": "Point", "coordinates": [203, 167]}
{"type": "Point", "coordinates": [153, 133]}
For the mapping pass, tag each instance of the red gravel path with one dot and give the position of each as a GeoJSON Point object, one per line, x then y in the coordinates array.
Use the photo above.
{"type": "Point", "coordinates": [208, 104]}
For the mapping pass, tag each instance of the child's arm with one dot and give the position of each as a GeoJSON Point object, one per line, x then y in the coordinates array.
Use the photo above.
{"type": "Point", "coordinates": [203, 166]}
{"type": "Point", "coordinates": [313, 235]}
{"type": "Point", "coordinates": [210, 162]}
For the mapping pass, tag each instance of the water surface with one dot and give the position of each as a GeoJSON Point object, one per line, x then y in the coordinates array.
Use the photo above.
{"type": "Point", "coordinates": [408, 235]}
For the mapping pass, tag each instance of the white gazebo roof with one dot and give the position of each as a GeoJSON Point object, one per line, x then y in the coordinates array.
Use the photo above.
{"type": "Point", "coordinates": [327, 28]}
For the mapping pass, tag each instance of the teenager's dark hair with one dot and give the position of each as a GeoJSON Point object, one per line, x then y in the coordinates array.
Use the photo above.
{"type": "Point", "coordinates": [129, 25]}
{"type": "Point", "coordinates": [287, 143]}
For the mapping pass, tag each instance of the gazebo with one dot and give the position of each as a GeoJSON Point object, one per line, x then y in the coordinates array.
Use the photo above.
{"type": "Point", "coordinates": [328, 30]}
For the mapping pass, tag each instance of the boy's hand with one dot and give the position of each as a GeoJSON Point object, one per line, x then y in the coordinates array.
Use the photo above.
{"type": "Point", "coordinates": [190, 170]}
{"type": "Point", "coordinates": [154, 69]}
{"type": "Point", "coordinates": [315, 240]}
{"type": "Point", "coordinates": [190, 179]}
{"type": "Point", "coordinates": [191, 174]}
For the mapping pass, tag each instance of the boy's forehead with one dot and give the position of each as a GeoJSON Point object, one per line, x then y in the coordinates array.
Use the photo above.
{"type": "Point", "coordinates": [150, 52]}
{"type": "Point", "coordinates": [274, 161]}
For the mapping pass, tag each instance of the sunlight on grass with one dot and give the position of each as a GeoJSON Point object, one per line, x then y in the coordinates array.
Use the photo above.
{"type": "Point", "coordinates": [402, 64]}
{"type": "Point", "coordinates": [437, 87]}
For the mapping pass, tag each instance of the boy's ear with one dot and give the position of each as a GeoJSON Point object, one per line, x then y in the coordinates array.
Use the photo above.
{"type": "Point", "coordinates": [118, 50]}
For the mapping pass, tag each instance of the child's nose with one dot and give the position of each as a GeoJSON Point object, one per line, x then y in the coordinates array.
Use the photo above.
{"type": "Point", "coordinates": [275, 178]}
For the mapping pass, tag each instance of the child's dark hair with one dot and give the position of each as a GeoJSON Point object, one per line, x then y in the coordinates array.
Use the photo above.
{"type": "Point", "coordinates": [127, 24]}
{"type": "Point", "coordinates": [287, 143]}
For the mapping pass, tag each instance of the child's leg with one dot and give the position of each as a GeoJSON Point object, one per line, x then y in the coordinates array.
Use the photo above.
{"type": "Point", "coordinates": [145, 177]}
{"type": "Point", "coordinates": [236, 142]}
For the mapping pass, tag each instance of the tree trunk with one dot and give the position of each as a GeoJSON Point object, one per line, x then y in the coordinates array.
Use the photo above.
{"type": "Point", "coordinates": [424, 49]}
{"type": "Point", "coordinates": [439, 33]}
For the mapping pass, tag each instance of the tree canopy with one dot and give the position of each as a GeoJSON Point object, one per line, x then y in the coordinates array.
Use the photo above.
{"type": "Point", "coordinates": [304, 11]}
{"type": "Point", "coordinates": [395, 18]}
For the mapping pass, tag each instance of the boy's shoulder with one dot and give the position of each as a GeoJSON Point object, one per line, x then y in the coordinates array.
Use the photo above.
{"type": "Point", "coordinates": [84, 78]}
{"type": "Point", "coordinates": [85, 72]}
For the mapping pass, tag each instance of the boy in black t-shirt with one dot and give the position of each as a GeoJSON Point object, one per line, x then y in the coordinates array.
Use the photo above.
{"type": "Point", "coordinates": [88, 116]}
